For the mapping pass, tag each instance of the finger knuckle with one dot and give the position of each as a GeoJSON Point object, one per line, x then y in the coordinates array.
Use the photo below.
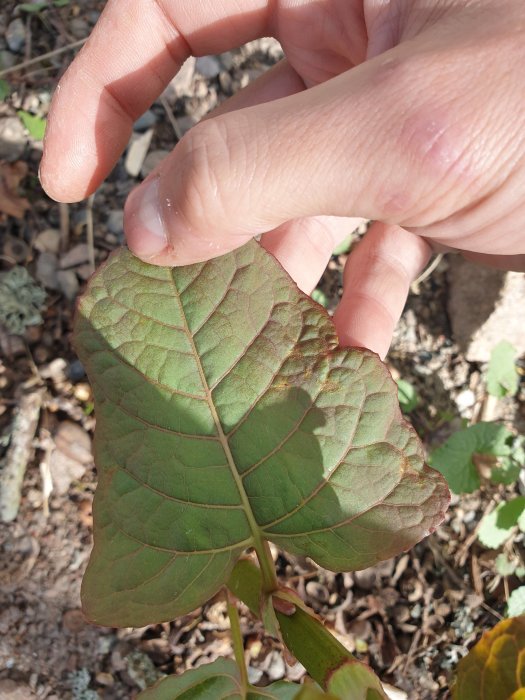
{"type": "Point", "coordinates": [208, 158]}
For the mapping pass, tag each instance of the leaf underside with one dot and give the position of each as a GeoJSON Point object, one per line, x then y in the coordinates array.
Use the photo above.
{"type": "Point", "coordinates": [227, 413]}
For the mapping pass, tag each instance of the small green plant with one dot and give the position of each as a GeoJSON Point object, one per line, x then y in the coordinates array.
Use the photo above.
{"type": "Point", "coordinates": [498, 526]}
{"type": "Point", "coordinates": [495, 667]}
{"type": "Point", "coordinates": [33, 123]}
{"type": "Point", "coordinates": [484, 448]}
{"type": "Point", "coordinates": [37, 7]}
{"type": "Point", "coordinates": [502, 375]}
{"type": "Point", "coordinates": [407, 396]}
{"type": "Point", "coordinates": [516, 603]}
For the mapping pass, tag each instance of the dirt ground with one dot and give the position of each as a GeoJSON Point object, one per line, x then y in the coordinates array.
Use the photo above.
{"type": "Point", "coordinates": [412, 618]}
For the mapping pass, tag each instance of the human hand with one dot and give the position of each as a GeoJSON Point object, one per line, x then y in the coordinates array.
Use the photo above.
{"type": "Point", "coordinates": [413, 116]}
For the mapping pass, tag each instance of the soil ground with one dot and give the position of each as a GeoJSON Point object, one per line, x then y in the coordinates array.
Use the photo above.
{"type": "Point", "coordinates": [412, 618]}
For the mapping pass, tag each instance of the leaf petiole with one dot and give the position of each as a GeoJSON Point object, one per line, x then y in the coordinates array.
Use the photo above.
{"type": "Point", "coordinates": [237, 641]}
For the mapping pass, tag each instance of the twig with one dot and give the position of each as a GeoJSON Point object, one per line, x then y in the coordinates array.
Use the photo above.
{"type": "Point", "coordinates": [64, 225]}
{"type": "Point", "coordinates": [90, 232]}
{"type": "Point", "coordinates": [426, 272]}
{"type": "Point", "coordinates": [43, 57]}
{"type": "Point", "coordinates": [19, 452]}
{"type": "Point", "coordinates": [171, 117]}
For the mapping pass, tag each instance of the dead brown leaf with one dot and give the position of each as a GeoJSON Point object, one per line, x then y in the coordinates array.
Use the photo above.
{"type": "Point", "coordinates": [10, 201]}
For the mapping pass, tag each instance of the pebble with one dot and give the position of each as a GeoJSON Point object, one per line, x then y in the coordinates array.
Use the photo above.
{"type": "Point", "coordinates": [254, 674]}
{"type": "Point", "coordinates": [76, 371]}
{"type": "Point", "coordinates": [68, 283]}
{"type": "Point", "coordinates": [145, 121]}
{"type": "Point", "coordinates": [11, 690]}
{"type": "Point", "coordinates": [12, 139]}
{"type": "Point", "coordinates": [208, 66]}
{"type": "Point", "coordinates": [182, 83]}
{"type": "Point", "coordinates": [115, 220]}
{"type": "Point", "coordinates": [137, 151]}
{"type": "Point", "coordinates": [7, 59]}
{"type": "Point", "coordinates": [152, 160]}
{"type": "Point", "coordinates": [105, 679]}
{"type": "Point", "coordinates": [185, 123]}
{"type": "Point", "coordinates": [46, 270]}
{"type": "Point", "coordinates": [82, 392]}
{"type": "Point", "coordinates": [48, 241]}
{"type": "Point", "coordinates": [16, 35]}
{"type": "Point", "coordinates": [74, 620]}
{"type": "Point", "coordinates": [75, 256]}
{"type": "Point", "coordinates": [79, 27]}
{"type": "Point", "coordinates": [84, 271]}
{"type": "Point", "coordinates": [465, 400]}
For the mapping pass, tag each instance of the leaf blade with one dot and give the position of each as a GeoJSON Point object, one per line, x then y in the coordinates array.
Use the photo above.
{"type": "Point", "coordinates": [214, 384]}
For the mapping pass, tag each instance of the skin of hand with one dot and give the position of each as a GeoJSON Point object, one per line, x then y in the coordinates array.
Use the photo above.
{"type": "Point", "coordinates": [407, 112]}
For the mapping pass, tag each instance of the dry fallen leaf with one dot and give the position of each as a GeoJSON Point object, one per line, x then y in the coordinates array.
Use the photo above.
{"type": "Point", "coordinates": [10, 201]}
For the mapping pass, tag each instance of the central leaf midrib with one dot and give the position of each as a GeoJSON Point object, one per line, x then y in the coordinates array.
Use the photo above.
{"type": "Point", "coordinates": [252, 522]}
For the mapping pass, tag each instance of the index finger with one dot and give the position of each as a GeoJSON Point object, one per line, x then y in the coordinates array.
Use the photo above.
{"type": "Point", "coordinates": [134, 51]}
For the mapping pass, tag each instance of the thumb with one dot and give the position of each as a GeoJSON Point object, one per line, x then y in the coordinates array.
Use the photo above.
{"type": "Point", "coordinates": [347, 147]}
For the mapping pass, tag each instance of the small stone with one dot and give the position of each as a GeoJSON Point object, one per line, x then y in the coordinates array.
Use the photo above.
{"type": "Point", "coordinates": [76, 371]}
{"type": "Point", "coordinates": [145, 121]}
{"type": "Point", "coordinates": [16, 35]}
{"type": "Point", "coordinates": [10, 690]}
{"type": "Point", "coordinates": [153, 159]}
{"type": "Point", "coordinates": [64, 471]}
{"type": "Point", "coordinates": [208, 66]}
{"type": "Point", "coordinates": [73, 621]}
{"type": "Point", "coordinates": [82, 392]}
{"type": "Point", "coordinates": [115, 220]}
{"type": "Point", "coordinates": [12, 139]}
{"type": "Point", "coordinates": [79, 27]}
{"type": "Point", "coordinates": [185, 123]}
{"type": "Point", "coordinates": [68, 283]}
{"type": "Point", "coordinates": [366, 579]}
{"type": "Point", "coordinates": [73, 441]}
{"type": "Point", "coordinates": [76, 256]}
{"type": "Point", "coordinates": [84, 271]}
{"type": "Point", "coordinates": [137, 151]}
{"type": "Point", "coordinates": [105, 679]}
{"type": "Point", "coordinates": [484, 306]}
{"type": "Point", "coordinates": [227, 60]}
{"type": "Point", "coordinates": [465, 400]}
{"type": "Point", "coordinates": [48, 241]}
{"type": "Point", "coordinates": [254, 675]}
{"type": "Point", "coordinates": [7, 59]}
{"type": "Point", "coordinates": [276, 667]}
{"type": "Point", "coordinates": [46, 270]}
{"type": "Point", "coordinates": [182, 83]}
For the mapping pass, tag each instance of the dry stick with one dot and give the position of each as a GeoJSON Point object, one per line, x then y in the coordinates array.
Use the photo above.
{"type": "Point", "coordinates": [43, 57]}
{"type": "Point", "coordinates": [64, 225]}
{"type": "Point", "coordinates": [19, 453]}
{"type": "Point", "coordinates": [90, 232]}
{"type": "Point", "coordinates": [426, 272]}
{"type": "Point", "coordinates": [171, 117]}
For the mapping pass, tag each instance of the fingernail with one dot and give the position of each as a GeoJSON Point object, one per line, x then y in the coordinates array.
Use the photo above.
{"type": "Point", "coordinates": [144, 221]}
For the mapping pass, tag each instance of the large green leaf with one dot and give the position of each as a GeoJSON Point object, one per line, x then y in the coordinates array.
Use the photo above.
{"type": "Point", "coordinates": [216, 681]}
{"type": "Point", "coordinates": [226, 415]}
{"type": "Point", "coordinates": [494, 669]}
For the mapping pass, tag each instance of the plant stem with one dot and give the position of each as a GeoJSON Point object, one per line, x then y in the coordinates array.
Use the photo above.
{"type": "Point", "coordinates": [269, 577]}
{"type": "Point", "coordinates": [237, 641]}
{"type": "Point", "coordinates": [305, 635]}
